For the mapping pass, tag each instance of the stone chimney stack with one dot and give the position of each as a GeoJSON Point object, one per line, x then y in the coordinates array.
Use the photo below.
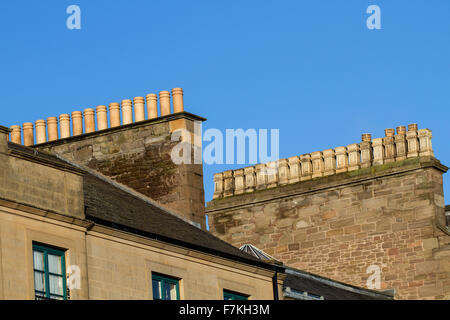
{"type": "Point", "coordinates": [4, 137]}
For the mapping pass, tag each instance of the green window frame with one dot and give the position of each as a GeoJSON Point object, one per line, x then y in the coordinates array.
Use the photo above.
{"type": "Point", "coordinates": [231, 295]}
{"type": "Point", "coordinates": [49, 267]}
{"type": "Point", "coordinates": [165, 287]}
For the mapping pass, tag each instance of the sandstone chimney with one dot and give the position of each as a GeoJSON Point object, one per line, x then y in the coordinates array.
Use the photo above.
{"type": "Point", "coordinates": [4, 137]}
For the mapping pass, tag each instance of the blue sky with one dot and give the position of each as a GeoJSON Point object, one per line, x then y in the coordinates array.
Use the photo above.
{"type": "Point", "coordinates": [309, 68]}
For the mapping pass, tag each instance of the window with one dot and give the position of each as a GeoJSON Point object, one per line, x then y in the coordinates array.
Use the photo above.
{"type": "Point", "coordinates": [165, 288]}
{"type": "Point", "coordinates": [230, 295]}
{"type": "Point", "coordinates": [49, 273]}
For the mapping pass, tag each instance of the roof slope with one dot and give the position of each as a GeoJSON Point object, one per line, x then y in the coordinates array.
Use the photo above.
{"type": "Point", "coordinates": [106, 204]}
{"type": "Point", "coordinates": [329, 289]}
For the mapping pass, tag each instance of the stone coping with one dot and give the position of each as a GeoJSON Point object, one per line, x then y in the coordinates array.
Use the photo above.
{"type": "Point", "coordinates": [321, 183]}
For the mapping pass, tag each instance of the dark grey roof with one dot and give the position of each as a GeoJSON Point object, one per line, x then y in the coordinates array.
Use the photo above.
{"type": "Point", "coordinates": [307, 286]}
{"type": "Point", "coordinates": [109, 205]}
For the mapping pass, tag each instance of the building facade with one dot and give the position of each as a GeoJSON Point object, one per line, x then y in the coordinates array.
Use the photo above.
{"type": "Point", "coordinates": [101, 212]}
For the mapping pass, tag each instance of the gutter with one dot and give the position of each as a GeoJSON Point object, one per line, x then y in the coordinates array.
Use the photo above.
{"type": "Point", "coordinates": [184, 244]}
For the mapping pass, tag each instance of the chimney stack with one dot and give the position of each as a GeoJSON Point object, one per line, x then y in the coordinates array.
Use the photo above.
{"type": "Point", "coordinates": [4, 137]}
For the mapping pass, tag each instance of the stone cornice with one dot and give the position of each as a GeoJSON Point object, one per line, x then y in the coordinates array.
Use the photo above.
{"type": "Point", "coordinates": [43, 161]}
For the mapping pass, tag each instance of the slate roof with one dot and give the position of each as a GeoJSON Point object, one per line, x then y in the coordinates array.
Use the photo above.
{"type": "Point", "coordinates": [111, 206]}
{"type": "Point", "coordinates": [316, 286]}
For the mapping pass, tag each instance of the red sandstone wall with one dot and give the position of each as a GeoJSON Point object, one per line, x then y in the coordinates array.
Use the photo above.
{"type": "Point", "coordinates": [338, 231]}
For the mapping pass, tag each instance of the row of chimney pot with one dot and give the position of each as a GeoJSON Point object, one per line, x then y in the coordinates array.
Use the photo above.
{"type": "Point", "coordinates": [51, 126]}
{"type": "Point", "coordinates": [393, 147]}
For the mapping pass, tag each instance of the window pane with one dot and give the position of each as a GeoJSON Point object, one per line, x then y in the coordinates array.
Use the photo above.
{"type": "Point", "coordinates": [56, 285]}
{"type": "Point", "coordinates": [39, 281]}
{"type": "Point", "coordinates": [38, 260]}
{"type": "Point", "coordinates": [156, 289]}
{"type": "Point", "coordinates": [170, 291]}
{"type": "Point", "coordinates": [54, 264]}
{"type": "Point", "coordinates": [56, 298]}
{"type": "Point", "coordinates": [40, 296]}
{"type": "Point", "coordinates": [233, 296]}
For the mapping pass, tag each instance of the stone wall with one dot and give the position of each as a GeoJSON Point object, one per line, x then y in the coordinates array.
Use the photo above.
{"type": "Point", "coordinates": [40, 181]}
{"type": "Point", "coordinates": [390, 215]}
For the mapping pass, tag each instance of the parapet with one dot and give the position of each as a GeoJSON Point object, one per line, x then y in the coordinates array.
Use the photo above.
{"type": "Point", "coordinates": [96, 120]}
{"type": "Point", "coordinates": [369, 152]}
